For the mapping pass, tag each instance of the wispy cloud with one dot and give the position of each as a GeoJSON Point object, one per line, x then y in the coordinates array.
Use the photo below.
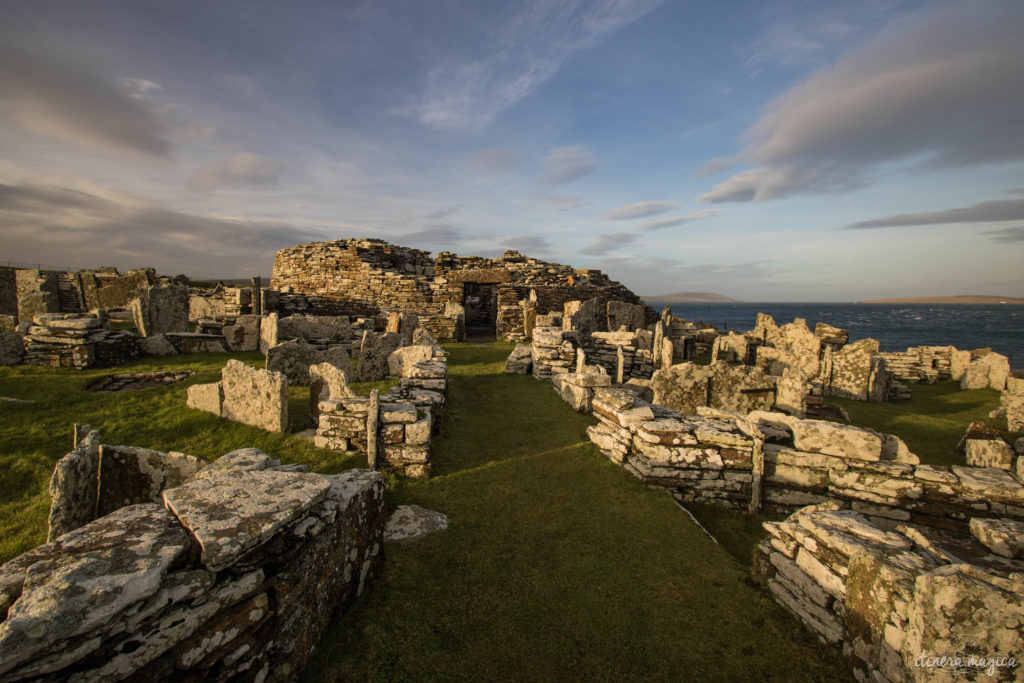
{"type": "Point", "coordinates": [520, 51]}
{"type": "Point", "coordinates": [637, 210]}
{"type": "Point", "coordinates": [679, 220]}
{"type": "Point", "coordinates": [559, 203]}
{"type": "Point", "coordinates": [529, 244]}
{"type": "Point", "coordinates": [983, 212]}
{"type": "Point", "coordinates": [61, 97]}
{"type": "Point", "coordinates": [239, 170]}
{"type": "Point", "coordinates": [944, 87]}
{"type": "Point", "coordinates": [565, 164]}
{"type": "Point", "coordinates": [610, 242]}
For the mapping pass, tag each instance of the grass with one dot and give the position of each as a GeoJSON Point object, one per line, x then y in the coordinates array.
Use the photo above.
{"type": "Point", "coordinates": [33, 436]}
{"type": "Point", "coordinates": [556, 564]}
{"type": "Point", "coordinates": [933, 421]}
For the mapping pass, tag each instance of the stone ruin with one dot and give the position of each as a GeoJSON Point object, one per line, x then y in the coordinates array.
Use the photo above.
{"type": "Point", "coordinates": [874, 537]}
{"type": "Point", "coordinates": [449, 294]}
{"type": "Point", "coordinates": [160, 566]}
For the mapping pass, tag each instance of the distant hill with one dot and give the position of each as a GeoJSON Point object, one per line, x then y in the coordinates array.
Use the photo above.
{"type": "Point", "coordinates": [689, 297]}
{"type": "Point", "coordinates": [955, 299]}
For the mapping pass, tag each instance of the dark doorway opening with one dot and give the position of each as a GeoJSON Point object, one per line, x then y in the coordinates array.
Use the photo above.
{"type": "Point", "coordinates": [481, 303]}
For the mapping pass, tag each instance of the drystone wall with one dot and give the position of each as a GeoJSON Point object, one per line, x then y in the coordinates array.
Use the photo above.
{"type": "Point", "coordinates": [76, 341]}
{"type": "Point", "coordinates": [8, 292]}
{"type": "Point", "coordinates": [368, 277]}
{"type": "Point", "coordinates": [393, 428]}
{"type": "Point", "coordinates": [893, 559]}
{"type": "Point", "coordinates": [232, 573]}
{"type": "Point", "coordinates": [899, 599]}
{"type": "Point", "coordinates": [927, 364]}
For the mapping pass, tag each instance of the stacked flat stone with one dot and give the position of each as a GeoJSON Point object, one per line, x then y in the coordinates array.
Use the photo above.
{"type": "Point", "coordinates": [553, 351]}
{"type": "Point", "coordinates": [927, 364]}
{"type": "Point", "coordinates": [76, 341]}
{"type": "Point", "coordinates": [1012, 401]}
{"type": "Point", "coordinates": [404, 417]}
{"type": "Point", "coordinates": [233, 573]}
{"type": "Point", "coordinates": [520, 361]}
{"type": "Point", "coordinates": [892, 596]}
{"type": "Point", "coordinates": [577, 388]}
{"type": "Point", "coordinates": [603, 348]}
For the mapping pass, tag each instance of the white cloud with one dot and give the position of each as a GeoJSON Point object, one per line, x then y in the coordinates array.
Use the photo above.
{"type": "Point", "coordinates": [637, 210]}
{"type": "Point", "coordinates": [239, 170]}
{"type": "Point", "coordinates": [679, 220]}
{"type": "Point", "coordinates": [519, 53]}
{"type": "Point", "coordinates": [942, 89]}
{"type": "Point", "coordinates": [63, 97]}
{"type": "Point", "coordinates": [565, 164]}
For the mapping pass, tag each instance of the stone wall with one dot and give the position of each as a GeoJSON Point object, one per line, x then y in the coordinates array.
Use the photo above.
{"type": "Point", "coordinates": [37, 293]}
{"type": "Point", "coordinates": [161, 309]}
{"type": "Point", "coordinates": [893, 559]}
{"type": "Point", "coordinates": [927, 364]}
{"type": "Point", "coordinates": [897, 599]}
{"type": "Point", "coordinates": [393, 428]}
{"type": "Point", "coordinates": [233, 574]}
{"type": "Point", "coordinates": [8, 292]}
{"type": "Point", "coordinates": [76, 341]}
{"type": "Point", "coordinates": [367, 277]}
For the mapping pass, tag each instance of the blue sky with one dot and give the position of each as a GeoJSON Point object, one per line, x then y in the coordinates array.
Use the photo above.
{"type": "Point", "coordinates": [783, 150]}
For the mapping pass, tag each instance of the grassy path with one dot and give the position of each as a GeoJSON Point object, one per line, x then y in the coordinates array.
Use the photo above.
{"type": "Point", "coordinates": [556, 564]}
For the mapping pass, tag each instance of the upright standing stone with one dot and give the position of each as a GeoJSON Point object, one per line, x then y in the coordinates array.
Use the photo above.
{"type": "Point", "coordinates": [373, 358]}
{"type": "Point", "coordinates": [268, 332]}
{"type": "Point", "coordinates": [659, 339]}
{"type": "Point", "coordinates": [620, 365]}
{"type": "Point", "coordinates": [161, 309]}
{"type": "Point", "coordinates": [372, 425]}
{"type": "Point", "coordinates": [254, 397]}
{"type": "Point", "coordinates": [667, 351]}
{"type": "Point", "coordinates": [529, 307]}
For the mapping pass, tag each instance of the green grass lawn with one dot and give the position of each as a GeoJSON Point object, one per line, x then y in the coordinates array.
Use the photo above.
{"type": "Point", "coordinates": [556, 564]}
{"type": "Point", "coordinates": [933, 421]}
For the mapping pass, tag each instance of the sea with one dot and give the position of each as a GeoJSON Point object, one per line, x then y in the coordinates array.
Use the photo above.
{"type": "Point", "coordinates": [895, 326]}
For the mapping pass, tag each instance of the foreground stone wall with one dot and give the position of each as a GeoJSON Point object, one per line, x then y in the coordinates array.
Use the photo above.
{"type": "Point", "coordinates": [900, 599]}
{"type": "Point", "coordinates": [232, 575]}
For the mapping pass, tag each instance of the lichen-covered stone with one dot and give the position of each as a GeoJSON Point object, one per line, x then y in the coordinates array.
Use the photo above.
{"type": "Point", "coordinates": [206, 397]}
{"type": "Point", "coordinates": [410, 522]}
{"type": "Point", "coordinates": [74, 487]}
{"type": "Point", "coordinates": [988, 372]}
{"type": "Point", "coordinates": [373, 358]}
{"type": "Point", "coordinates": [243, 334]}
{"type": "Point", "coordinates": [156, 345]}
{"type": "Point", "coordinates": [130, 475]}
{"type": "Point", "coordinates": [234, 510]}
{"type": "Point", "coordinates": [684, 387]}
{"type": "Point", "coordinates": [401, 360]}
{"type": "Point", "coordinates": [327, 381]}
{"type": "Point", "coordinates": [254, 397]}
{"type": "Point", "coordinates": [161, 309]}
{"type": "Point", "coordinates": [520, 361]}
{"type": "Point", "coordinates": [87, 578]}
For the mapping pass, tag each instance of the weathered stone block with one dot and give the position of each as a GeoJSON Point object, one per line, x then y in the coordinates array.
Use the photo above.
{"type": "Point", "coordinates": [206, 397]}
{"type": "Point", "coordinates": [254, 397]}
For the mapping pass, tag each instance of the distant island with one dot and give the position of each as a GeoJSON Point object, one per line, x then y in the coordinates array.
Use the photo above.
{"type": "Point", "coordinates": [955, 299]}
{"type": "Point", "coordinates": [690, 297]}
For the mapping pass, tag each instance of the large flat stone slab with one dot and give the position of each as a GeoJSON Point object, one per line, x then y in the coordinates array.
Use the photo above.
{"type": "Point", "coordinates": [232, 511]}
{"type": "Point", "coordinates": [87, 577]}
{"type": "Point", "coordinates": [409, 522]}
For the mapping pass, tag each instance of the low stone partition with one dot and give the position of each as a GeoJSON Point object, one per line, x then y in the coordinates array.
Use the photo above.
{"type": "Point", "coordinates": [1012, 403]}
{"type": "Point", "coordinates": [906, 604]}
{"type": "Point", "coordinates": [780, 463]}
{"type": "Point", "coordinates": [927, 364]}
{"type": "Point", "coordinates": [233, 574]}
{"type": "Point", "coordinates": [628, 353]}
{"type": "Point", "coordinates": [294, 358]}
{"type": "Point", "coordinates": [76, 341]}
{"type": "Point", "coordinates": [245, 394]}
{"type": "Point", "coordinates": [393, 428]}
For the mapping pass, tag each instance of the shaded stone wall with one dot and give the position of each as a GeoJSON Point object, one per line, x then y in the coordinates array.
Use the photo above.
{"type": "Point", "coordinates": [233, 574]}
{"type": "Point", "coordinates": [76, 341]}
{"type": "Point", "coordinates": [8, 292]}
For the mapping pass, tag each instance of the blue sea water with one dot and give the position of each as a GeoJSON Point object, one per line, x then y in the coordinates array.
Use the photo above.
{"type": "Point", "coordinates": [895, 326]}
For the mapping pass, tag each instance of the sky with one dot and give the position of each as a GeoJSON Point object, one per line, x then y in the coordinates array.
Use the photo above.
{"type": "Point", "coordinates": [773, 150]}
